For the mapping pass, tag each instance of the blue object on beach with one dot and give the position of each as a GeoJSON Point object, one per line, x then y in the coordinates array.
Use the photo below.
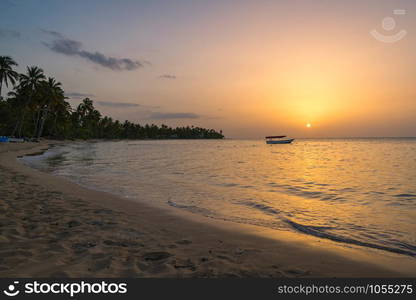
{"type": "Point", "coordinates": [4, 139]}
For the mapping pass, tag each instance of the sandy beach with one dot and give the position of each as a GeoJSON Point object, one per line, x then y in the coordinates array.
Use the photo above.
{"type": "Point", "coordinates": [50, 227]}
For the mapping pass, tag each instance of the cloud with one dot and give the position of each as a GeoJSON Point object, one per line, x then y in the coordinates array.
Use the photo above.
{"type": "Point", "coordinates": [8, 3]}
{"type": "Point", "coordinates": [69, 47]}
{"type": "Point", "coordinates": [9, 33]}
{"type": "Point", "coordinates": [55, 34]}
{"type": "Point", "coordinates": [117, 104]}
{"type": "Point", "coordinates": [180, 115]}
{"type": "Point", "coordinates": [76, 95]}
{"type": "Point", "coordinates": [11, 2]}
{"type": "Point", "coordinates": [167, 76]}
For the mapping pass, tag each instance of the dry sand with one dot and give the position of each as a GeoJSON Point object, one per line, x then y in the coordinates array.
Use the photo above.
{"type": "Point", "coordinates": [50, 227]}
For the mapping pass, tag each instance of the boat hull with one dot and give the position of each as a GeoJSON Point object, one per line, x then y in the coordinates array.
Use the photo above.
{"type": "Point", "coordinates": [16, 140]}
{"type": "Point", "coordinates": [288, 141]}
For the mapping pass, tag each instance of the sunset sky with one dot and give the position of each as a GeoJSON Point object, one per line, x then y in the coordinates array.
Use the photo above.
{"type": "Point", "coordinates": [250, 68]}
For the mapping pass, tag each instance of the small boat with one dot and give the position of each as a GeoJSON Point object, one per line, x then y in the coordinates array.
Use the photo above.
{"type": "Point", "coordinates": [278, 139]}
{"type": "Point", "coordinates": [16, 140]}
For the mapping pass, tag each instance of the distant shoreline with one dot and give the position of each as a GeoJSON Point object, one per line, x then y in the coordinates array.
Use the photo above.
{"type": "Point", "coordinates": [58, 228]}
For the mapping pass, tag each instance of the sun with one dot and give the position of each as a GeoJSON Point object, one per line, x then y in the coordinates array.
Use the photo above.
{"type": "Point", "coordinates": [309, 125]}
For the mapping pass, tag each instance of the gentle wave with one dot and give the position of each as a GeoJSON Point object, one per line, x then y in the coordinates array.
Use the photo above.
{"type": "Point", "coordinates": [320, 232]}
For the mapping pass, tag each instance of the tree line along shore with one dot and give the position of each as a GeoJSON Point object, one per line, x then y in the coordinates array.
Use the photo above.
{"type": "Point", "coordinates": [36, 107]}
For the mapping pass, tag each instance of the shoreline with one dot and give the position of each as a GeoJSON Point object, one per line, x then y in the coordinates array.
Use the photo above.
{"type": "Point", "coordinates": [53, 227]}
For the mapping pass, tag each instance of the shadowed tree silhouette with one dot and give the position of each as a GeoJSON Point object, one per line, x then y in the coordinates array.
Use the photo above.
{"type": "Point", "coordinates": [29, 82]}
{"type": "Point", "coordinates": [52, 92]}
{"type": "Point", "coordinates": [38, 105]}
{"type": "Point", "coordinates": [7, 74]}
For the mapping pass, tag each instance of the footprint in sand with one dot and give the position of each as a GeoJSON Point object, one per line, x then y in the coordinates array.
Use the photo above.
{"type": "Point", "coordinates": [184, 264]}
{"type": "Point", "coordinates": [183, 242]}
{"type": "Point", "coordinates": [101, 264]}
{"type": "Point", "coordinates": [121, 243]}
{"type": "Point", "coordinates": [154, 256]}
{"type": "Point", "coordinates": [79, 247]}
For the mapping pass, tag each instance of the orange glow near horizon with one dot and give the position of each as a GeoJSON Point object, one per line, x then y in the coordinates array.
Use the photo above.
{"type": "Point", "coordinates": [288, 64]}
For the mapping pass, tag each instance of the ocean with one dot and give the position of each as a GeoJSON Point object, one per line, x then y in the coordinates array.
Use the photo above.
{"type": "Point", "coordinates": [352, 191]}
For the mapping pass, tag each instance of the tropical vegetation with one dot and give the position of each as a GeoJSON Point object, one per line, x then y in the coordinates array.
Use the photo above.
{"type": "Point", "coordinates": [36, 107]}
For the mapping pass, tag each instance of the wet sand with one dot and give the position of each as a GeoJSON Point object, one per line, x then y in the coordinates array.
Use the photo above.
{"type": "Point", "coordinates": [50, 227]}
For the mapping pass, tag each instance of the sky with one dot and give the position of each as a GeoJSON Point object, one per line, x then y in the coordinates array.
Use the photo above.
{"type": "Point", "coordinates": [250, 68]}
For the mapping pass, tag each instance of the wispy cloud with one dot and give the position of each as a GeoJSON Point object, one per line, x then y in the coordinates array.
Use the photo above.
{"type": "Point", "coordinates": [8, 3]}
{"type": "Point", "coordinates": [179, 115]}
{"type": "Point", "coordinates": [167, 76]}
{"type": "Point", "coordinates": [55, 34]}
{"type": "Point", "coordinates": [117, 104]}
{"type": "Point", "coordinates": [69, 47]}
{"type": "Point", "coordinates": [76, 95]}
{"type": "Point", "coordinates": [9, 33]}
{"type": "Point", "coordinates": [11, 2]}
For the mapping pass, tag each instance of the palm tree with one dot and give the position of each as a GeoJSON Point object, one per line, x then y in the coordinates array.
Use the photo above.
{"type": "Point", "coordinates": [62, 113]}
{"type": "Point", "coordinates": [30, 82]}
{"type": "Point", "coordinates": [53, 93]}
{"type": "Point", "coordinates": [7, 74]}
{"type": "Point", "coordinates": [16, 98]}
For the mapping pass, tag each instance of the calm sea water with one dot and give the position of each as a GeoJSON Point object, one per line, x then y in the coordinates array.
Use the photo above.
{"type": "Point", "coordinates": [354, 191]}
